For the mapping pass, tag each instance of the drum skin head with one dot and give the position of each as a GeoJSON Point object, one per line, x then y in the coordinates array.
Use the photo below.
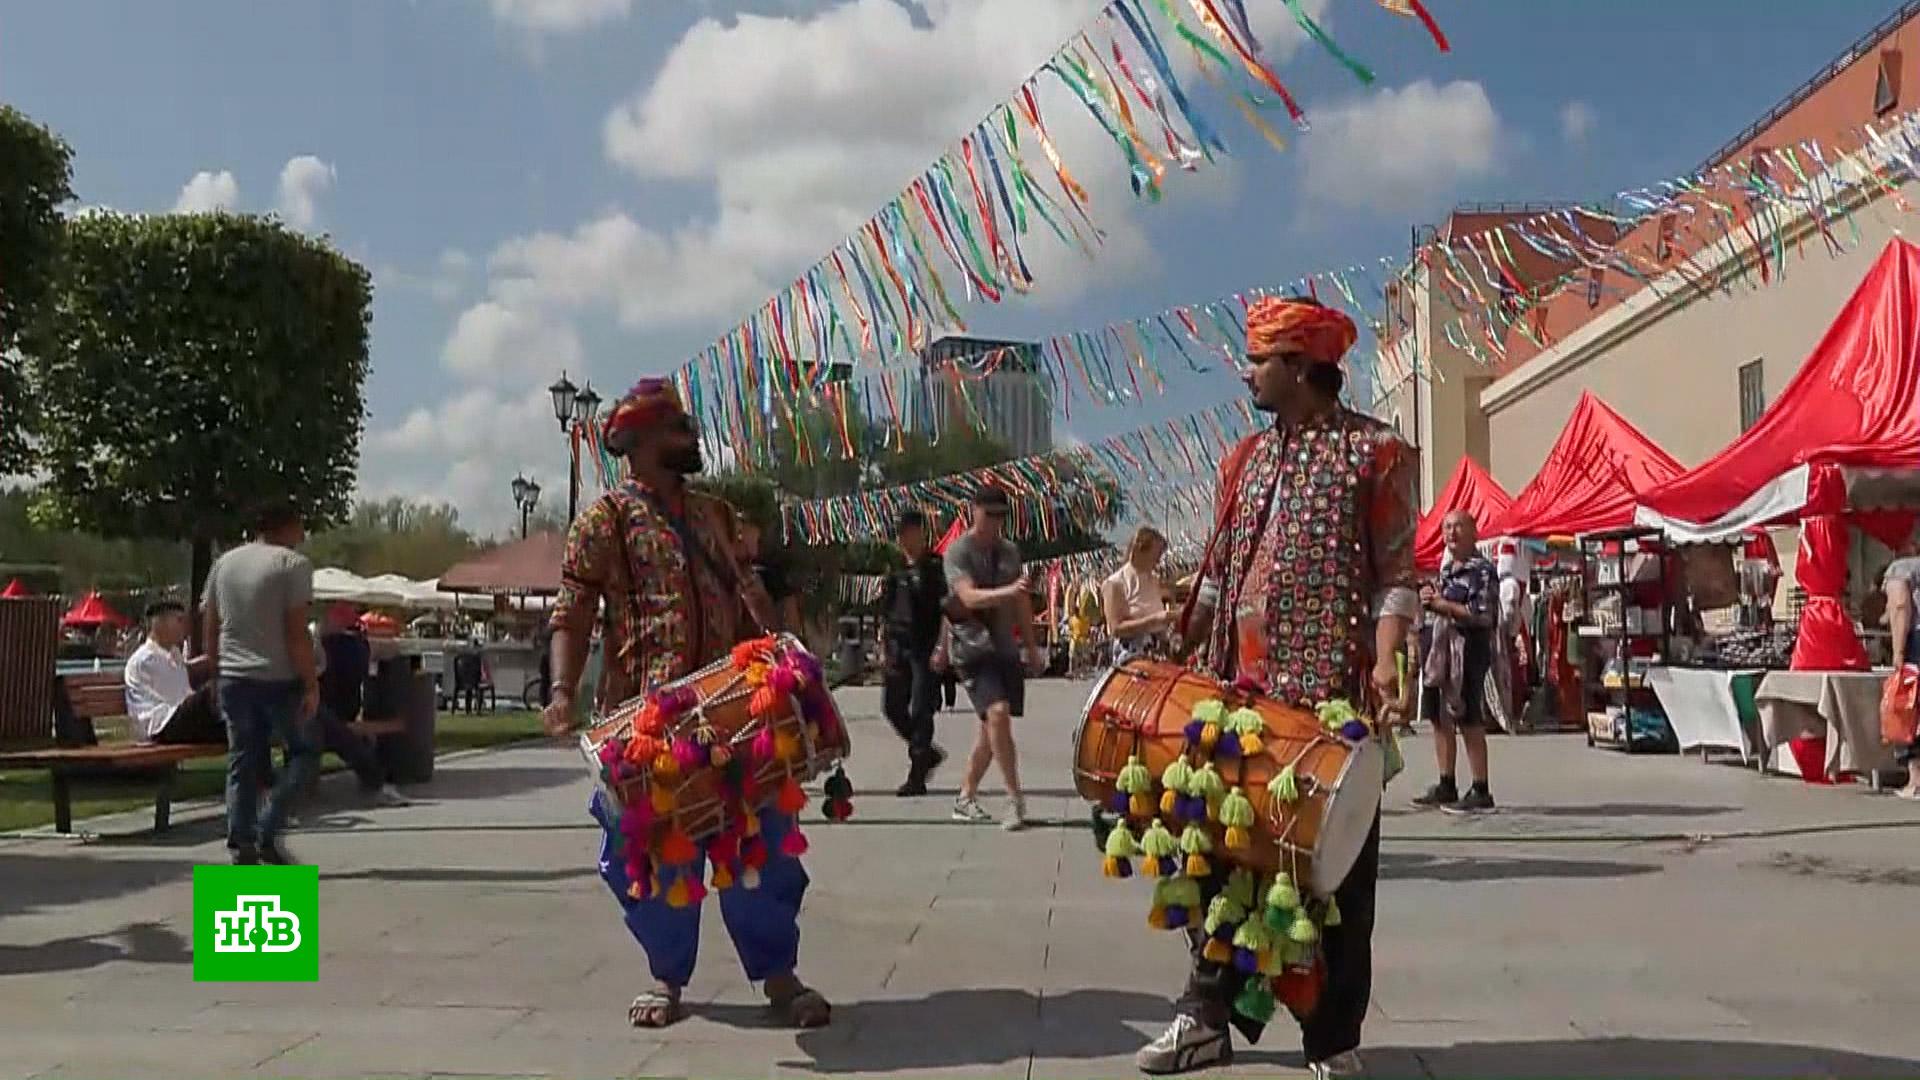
{"type": "Point", "coordinates": [1349, 817]}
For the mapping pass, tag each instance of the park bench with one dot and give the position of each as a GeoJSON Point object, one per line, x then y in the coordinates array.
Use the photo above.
{"type": "Point", "coordinates": [77, 753]}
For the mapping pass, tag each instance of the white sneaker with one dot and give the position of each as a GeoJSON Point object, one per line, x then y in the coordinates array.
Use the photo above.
{"type": "Point", "coordinates": [1015, 818]}
{"type": "Point", "coordinates": [1347, 1064]}
{"type": "Point", "coordinates": [388, 795]}
{"type": "Point", "coordinates": [1186, 1045]}
{"type": "Point", "coordinates": [970, 811]}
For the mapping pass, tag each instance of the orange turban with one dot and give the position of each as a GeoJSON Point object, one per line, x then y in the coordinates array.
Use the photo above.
{"type": "Point", "coordinates": [650, 401]}
{"type": "Point", "coordinates": [1279, 325]}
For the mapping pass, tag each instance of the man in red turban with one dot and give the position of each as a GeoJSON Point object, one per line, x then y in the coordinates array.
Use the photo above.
{"type": "Point", "coordinates": [1306, 591]}
{"type": "Point", "coordinates": [665, 559]}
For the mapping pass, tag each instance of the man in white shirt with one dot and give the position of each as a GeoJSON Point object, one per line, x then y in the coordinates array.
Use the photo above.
{"type": "Point", "coordinates": [161, 699]}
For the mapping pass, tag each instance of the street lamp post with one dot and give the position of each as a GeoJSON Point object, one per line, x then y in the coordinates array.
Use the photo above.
{"type": "Point", "coordinates": [525, 494]}
{"type": "Point", "coordinates": [575, 408]}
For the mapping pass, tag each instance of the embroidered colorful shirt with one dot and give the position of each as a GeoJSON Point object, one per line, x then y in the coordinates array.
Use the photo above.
{"type": "Point", "coordinates": [669, 611]}
{"type": "Point", "coordinates": [1318, 545]}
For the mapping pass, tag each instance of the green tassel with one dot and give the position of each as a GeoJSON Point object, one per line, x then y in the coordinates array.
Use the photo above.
{"type": "Point", "coordinates": [1236, 810]}
{"type": "Point", "coordinates": [1333, 913]}
{"type": "Point", "coordinates": [1157, 842]}
{"type": "Point", "coordinates": [1206, 783]}
{"type": "Point", "coordinates": [1177, 776]}
{"type": "Point", "coordinates": [1120, 844]}
{"type": "Point", "coordinates": [1244, 721]}
{"type": "Point", "coordinates": [1281, 894]}
{"type": "Point", "coordinates": [1255, 1001]}
{"type": "Point", "coordinates": [1134, 779]}
{"type": "Point", "coordinates": [1335, 714]}
{"type": "Point", "coordinates": [1241, 886]}
{"type": "Point", "coordinates": [1284, 787]}
{"type": "Point", "coordinates": [1195, 841]}
{"type": "Point", "coordinates": [1303, 931]}
{"type": "Point", "coordinates": [1224, 911]}
{"type": "Point", "coordinates": [1252, 936]}
{"type": "Point", "coordinates": [1209, 711]}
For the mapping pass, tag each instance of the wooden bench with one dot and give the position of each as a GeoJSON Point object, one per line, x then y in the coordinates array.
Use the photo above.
{"type": "Point", "coordinates": [78, 701]}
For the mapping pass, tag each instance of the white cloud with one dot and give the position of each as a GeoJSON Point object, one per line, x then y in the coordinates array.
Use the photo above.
{"type": "Point", "coordinates": [1400, 149]}
{"type": "Point", "coordinates": [559, 16]}
{"type": "Point", "coordinates": [208, 191]}
{"type": "Point", "coordinates": [444, 281]}
{"type": "Point", "coordinates": [1577, 119]}
{"type": "Point", "coordinates": [466, 449]}
{"type": "Point", "coordinates": [303, 180]}
{"type": "Point", "coordinates": [494, 342]}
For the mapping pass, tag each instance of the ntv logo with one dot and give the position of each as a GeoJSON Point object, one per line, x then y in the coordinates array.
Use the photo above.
{"type": "Point", "coordinates": [256, 924]}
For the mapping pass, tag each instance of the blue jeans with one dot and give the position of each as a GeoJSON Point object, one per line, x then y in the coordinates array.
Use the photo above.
{"type": "Point", "coordinates": [763, 922]}
{"type": "Point", "coordinates": [256, 711]}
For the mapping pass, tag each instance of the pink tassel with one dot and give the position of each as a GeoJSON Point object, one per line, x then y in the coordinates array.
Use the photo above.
{"type": "Point", "coordinates": [689, 755]}
{"type": "Point", "coordinates": [783, 679]}
{"type": "Point", "coordinates": [763, 745]}
{"type": "Point", "coordinates": [794, 843]}
{"type": "Point", "coordinates": [696, 890]}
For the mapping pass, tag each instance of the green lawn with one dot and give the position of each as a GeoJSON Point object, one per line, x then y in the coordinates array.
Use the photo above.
{"type": "Point", "coordinates": [26, 798]}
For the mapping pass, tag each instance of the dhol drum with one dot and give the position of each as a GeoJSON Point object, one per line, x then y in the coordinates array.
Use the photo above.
{"type": "Point", "coordinates": [735, 732]}
{"type": "Point", "coordinates": [1311, 823]}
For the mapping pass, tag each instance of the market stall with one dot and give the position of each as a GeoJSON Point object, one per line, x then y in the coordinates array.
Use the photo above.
{"type": "Point", "coordinates": [1838, 453]}
{"type": "Point", "coordinates": [1587, 488]}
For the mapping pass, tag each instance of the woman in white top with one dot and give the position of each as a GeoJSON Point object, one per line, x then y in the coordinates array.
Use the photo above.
{"type": "Point", "coordinates": [1133, 600]}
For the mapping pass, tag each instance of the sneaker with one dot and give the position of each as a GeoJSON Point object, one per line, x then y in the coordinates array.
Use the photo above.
{"type": "Point", "coordinates": [1347, 1064]}
{"type": "Point", "coordinates": [274, 853]}
{"type": "Point", "coordinates": [1477, 800]}
{"type": "Point", "coordinates": [1015, 818]}
{"type": "Point", "coordinates": [1443, 793]}
{"type": "Point", "coordinates": [1186, 1045]}
{"type": "Point", "coordinates": [387, 795]}
{"type": "Point", "coordinates": [243, 856]}
{"type": "Point", "coordinates": [970, 811]}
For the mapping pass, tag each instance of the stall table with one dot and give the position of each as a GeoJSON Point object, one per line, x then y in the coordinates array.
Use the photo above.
{"type": "Point", "coordinates": [1703, 708]}
{"type": "Point", "coordinates": [1840, 707]}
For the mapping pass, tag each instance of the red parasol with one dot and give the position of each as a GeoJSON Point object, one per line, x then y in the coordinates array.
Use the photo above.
{"type": "Point", "coordinates": [14, 590]}
{"type": "Point", "coordinates": [93, 611]}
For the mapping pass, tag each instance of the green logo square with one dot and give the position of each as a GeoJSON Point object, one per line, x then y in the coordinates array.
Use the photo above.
{"type": "Point", "coordinates": [256, 924]}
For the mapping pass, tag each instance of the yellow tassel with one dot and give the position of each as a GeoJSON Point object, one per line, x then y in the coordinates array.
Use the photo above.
{"type": "Point", "coordinates": [722, 876]}
{"type": "Point", "coordinates": [633, 890]}
{"type": "Point", "coordinates": [1140, 805]}
{"type": "Point", "coordinates": [664, 766]}
{"type": "Point", "coordinates": [1167, 799]}
{"type": "Point", "coordinates": [1217, 951]}
{"type": "Point", "coordinates": [677, 896]}
{"type": "Point", "coordinates": [1110, 867]}
{"type": "Point", "coordinates": [1213, 808]}
{"type": "Point", "coordinates": [1249, 745]}
{"type": "Point", "coordinates": [1266, 962]}
{"type": "Point", "coordinates": [1150, 866]}
{"type": "Point", "coordinates": [662, 799]}
{"type": "Point", "coordinates": [1197, 866]}
{"type": "Point", "coordinates": [1209, 735]}
{"type": "Point", "coordinates": [752, 822]}
{"type": "Point", "coordinates": [1238, 839]}
{"type": "Point", "coordinates": [786, 747]}
{"type": "Point", "coordinates": [1157, 917]}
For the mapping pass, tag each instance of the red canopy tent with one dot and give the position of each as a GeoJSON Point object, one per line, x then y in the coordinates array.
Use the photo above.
{"type": "Point", "coordinates": [15, 590]}
{"type": "Point", "coordinates": [1590, 478]}
{"type": "Point", "coordinates": [93, 611]}
{"type": "Point", "coordinates": [1470, 488]}
{"type": "Point", "coordinates": [1842, 439]}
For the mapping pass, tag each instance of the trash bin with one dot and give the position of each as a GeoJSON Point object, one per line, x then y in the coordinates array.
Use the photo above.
{"type": "Point", "coordinates": [400, 689]}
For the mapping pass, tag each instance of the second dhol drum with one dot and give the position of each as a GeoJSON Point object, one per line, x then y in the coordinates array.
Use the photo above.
{"type": "Point", "coordinates": [1273, 787]}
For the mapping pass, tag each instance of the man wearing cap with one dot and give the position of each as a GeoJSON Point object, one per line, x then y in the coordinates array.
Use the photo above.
{"type": "Point", "coordinates": [1310, 572]}
{"type": "Point", "coordinates": [665, 560]}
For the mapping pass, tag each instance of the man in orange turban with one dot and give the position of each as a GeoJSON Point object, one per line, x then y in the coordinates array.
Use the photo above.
{"type": "Point", "coordinates": [1305, 592]}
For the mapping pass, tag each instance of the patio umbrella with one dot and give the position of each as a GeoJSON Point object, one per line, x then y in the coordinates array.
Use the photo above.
{"type": "Point", "coordinates": [93, 611]}
{"type": "Point", "coordinates": [14, 590]}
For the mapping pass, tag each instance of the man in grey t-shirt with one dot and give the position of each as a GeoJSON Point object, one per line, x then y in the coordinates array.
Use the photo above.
{"type": "Point", "coordinates": [256, 629]}
{"type": "Point", "coordinates": [989, 597]}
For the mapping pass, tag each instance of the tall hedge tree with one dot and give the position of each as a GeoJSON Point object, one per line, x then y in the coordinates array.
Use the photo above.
{"type": "Point", "coordinates": [194, 367]}
{"type": "Point", "coordinates": [36, 174]}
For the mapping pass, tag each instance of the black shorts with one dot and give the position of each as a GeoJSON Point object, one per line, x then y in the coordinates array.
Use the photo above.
{"type": "Point", "coordinates": [1473, 692]}
{"type": "Point", "coordinates": [995, 680]}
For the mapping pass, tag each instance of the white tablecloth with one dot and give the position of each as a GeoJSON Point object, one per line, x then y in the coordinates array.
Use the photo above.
{"type": "Point", "coordinates": [1844, 706]}
{"type": "Point", "coordinates": [1700, 707]}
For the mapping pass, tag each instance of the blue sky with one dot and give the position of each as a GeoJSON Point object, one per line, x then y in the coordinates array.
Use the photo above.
{"type": "Point", "coordinates": [607, 185]}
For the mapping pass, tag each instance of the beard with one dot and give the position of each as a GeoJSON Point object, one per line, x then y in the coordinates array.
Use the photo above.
{"type": "Point", "coordinates": [687, 461]}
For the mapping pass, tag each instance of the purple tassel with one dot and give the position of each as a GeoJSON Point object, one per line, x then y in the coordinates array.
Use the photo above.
{"type": "Point", "coordinates": [1169, 866]}
{"type": "Point", "coordinates": [1193, 808]}
{"type": "Point", "coordinates": [1353, 730]}
{"type": "Point", "coordinates": [1228, 747]}
{"type": "Point", "coordinates": [1224, 932]}
{"type": "Point", "coordinates": [1125, 867]}
{"type": "Point", "coordinates": [1192, 732]}
{"type": "Point", "coordinates": [1176, 917]}
{"type": "Point", "coordinates": [1245, 962]}
{"type": "Point", "coordinates": [1117, 802]}
{"type": "Point", "coordinates": [809, 666]}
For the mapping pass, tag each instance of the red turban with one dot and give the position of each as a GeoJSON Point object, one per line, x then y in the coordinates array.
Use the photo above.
{"type": "Point", "coordinates": [1278, 325]}
{"type": "Point", "coordinates": [650, 401]}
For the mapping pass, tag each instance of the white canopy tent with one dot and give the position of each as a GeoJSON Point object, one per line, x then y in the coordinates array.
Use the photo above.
{"type": "Point", "coordinates": [332, 584]}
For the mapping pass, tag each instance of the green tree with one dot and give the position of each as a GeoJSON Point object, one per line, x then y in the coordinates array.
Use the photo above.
{"type": "Point", "coordinates": [35, 182]}
{"type": "Point", "coordinates": [418, 540]}
{"type": "Point", "coordinates": [81, 561]}
{"type": "Point", "coordinates": [194, 367]}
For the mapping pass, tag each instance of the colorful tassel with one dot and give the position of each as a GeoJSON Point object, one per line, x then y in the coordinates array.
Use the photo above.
{"type": "Point", "coordinates": [786, 746]}
{"type": "Point", "coordinates": [839, 791]}
{"type": "Point", "coordinates": [1160, 847]}
{"type": "Point", "coordinates": [1119, 851]}
{"type": "Point", "coordinates": [677, 896]}
{"type": "Point", "coordinates": [1332, 917]}
{"type": "Point", "coordinates": [1285, 787]}
{"type": "Point", "coordinates": [722, 876]}
{"type": "Point", "coordinates": [678, 848]}
{"type": "Point", "coordinates": [763, 747]}
{"type": "Point", "coordinates": [794, 843]}
{"type": "Point", "coordinates": [1236, 814]}
{"type": "Point", "coordinates": [1303, 931]}
{"type": "Point", "coordinates": [1196, 845]}
{"type": "Point", "coordinates": [792, 798]}
{"type": "Point", "coordinates": [1255, 1001]}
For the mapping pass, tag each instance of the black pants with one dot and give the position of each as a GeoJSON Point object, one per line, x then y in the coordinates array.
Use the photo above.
{"type": "Point", "coordinates": [907, 699]}
{"type": "Point", "coordinates": [1334, 1027]}
{"type": "Point", "coordinates": [337, 737]}
{"type": "Point", "coordinates": [949, 687]}
{"type": "Point", "coordinates": [195, 720]}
